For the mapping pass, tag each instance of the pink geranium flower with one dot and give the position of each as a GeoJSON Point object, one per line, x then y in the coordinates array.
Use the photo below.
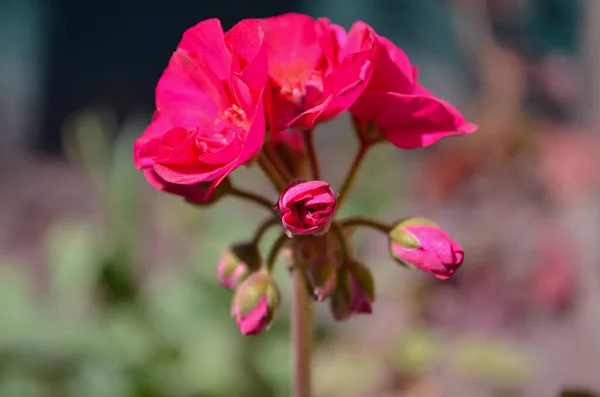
{"type": "Point", "coordinates": [210, 118]}
{"type": "Point", "coordinates": [401, 109]}
{"type": "Point", "coordinates": [316, 70]}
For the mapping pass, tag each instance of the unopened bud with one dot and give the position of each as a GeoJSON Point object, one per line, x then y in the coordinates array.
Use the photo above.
{"type": "Point", "coordinates": [322, 278]}
{"type": "Point", "coordinates": [255, 303]}
{"type": "Point", "coordinates": [355, 292]}
{"type": "Point", "coordinates": [420, 243]}
{"type": "Point", "coordinates": [307, 207]}
{"type": "Point", "coordinates": [322, 258]}
{"type": "Point", "coordinates": [237, 263]}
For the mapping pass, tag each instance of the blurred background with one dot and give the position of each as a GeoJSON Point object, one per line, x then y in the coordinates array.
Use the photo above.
{"type": "Point", "coordinates": [108, 288]}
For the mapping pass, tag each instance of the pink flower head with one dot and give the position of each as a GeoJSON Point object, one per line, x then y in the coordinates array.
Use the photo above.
{"type": "Point", "coordinates": [316, 70]}
{"type": "Point", "coordinates": [210, 118]}
{"type": "Point", "coordinates": [307, 207]}
{"type": "Point", "coordinates": [255, 303]}
{"type": "Point", "coordinates": [422, 244]}
{"type": "Point", "coordinates": [402, 110]}
{"type": "Point", "coordinates": [237, 263]}
{"type": "Point", "coordinates": [355, 292]}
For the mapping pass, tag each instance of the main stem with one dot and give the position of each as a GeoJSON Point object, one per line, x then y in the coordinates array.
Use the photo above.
{"type": "Point", "coordinates": [302, 317]}
{"type": "Point", "coordinates": [302, 330]}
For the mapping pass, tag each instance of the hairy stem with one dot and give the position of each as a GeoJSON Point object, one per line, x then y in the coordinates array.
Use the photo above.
{"type": "Point", "coordinates": [351, 176]}
{"type": "Point", "coordinates": [312, 154]}
{"type": "Point", "coordinates": [253, 197]}
{"type": "Point", "coordinates": [354, 221]}
{"type": "Point", "coordinates": [302, 329]}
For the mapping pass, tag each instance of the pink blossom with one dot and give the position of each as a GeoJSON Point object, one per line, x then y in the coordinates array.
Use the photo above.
{"type": "Point", "coordinates": [210, 118]}
{"type": "Point", "coordinates": [401, 109]}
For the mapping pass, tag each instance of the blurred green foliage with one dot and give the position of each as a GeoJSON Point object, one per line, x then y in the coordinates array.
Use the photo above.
{"type": "Point", "coordinates": [102, 328]}
{"type": "Point", "coordinates": [110, 322]}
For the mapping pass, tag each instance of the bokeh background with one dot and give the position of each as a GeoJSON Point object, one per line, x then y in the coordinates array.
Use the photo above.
{"type": "Point", "coordinates": [108, 288]}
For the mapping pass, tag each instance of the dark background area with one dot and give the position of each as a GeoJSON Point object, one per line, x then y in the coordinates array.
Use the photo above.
{"type": "Point", "coordinates": [100, 52]}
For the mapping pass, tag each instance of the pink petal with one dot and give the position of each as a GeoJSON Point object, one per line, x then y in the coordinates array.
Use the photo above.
{"type": "Point", "coordinates": [256, 321]}
{"type": "Point", "coordinates": [207, 38]}
{"type": "Point", "coordinates": [411, 121]}
{"type": "Point", "coordinates": [190, 90]}
{"type": "Point", "coordinates": [332, 39]}
{"type": "Point", "coordinates": [292, 45]}
{"type": "Point", "coordinates": [247, 41]}
{"type": "Point", "coordinates": [393, 70]}
{"type": "Point", "coordinates": [346, 83]}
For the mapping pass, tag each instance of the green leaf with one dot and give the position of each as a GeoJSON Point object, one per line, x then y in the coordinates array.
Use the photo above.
{"type": "Point", "coordinates": [73, 261]}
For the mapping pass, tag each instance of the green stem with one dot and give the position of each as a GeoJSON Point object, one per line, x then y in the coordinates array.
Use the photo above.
{"type": "Point", "coordinates": [275, 248]}
{"type": "Point", "coordinates": [312, 153]}
{"type": "Point", "coordinates": [302, 330]}
{"type": "Point", "coordinates": [263, 228]}
{"type": "Point", "coordinates": [351, 176]}
{"type": "Point", "coordinates": [253, 197]}
{"type": "Point", "coordinates": [271, 171]}
{"type": "Point", "coordinates": [367, 222]}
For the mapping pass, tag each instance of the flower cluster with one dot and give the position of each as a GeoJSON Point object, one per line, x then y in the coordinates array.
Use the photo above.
{"type": "Point", "coordinates": [254, 95]}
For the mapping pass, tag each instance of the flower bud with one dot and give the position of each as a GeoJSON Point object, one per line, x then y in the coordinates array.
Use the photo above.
{"type": "Point", "coordinates": [255, 302]}
{"type": "Point", "coordinates": [321, 276]}
{"type": "Point", "coordinates": [321, 257]}
{"type": "Point", "coordinates": [355, 292]}
{"type": "Point", "coordinates": [421, 244]}
{"type": "Point", "coordinates": [237, 263]}
{"type": "Point", "coordinates": [307, 207]}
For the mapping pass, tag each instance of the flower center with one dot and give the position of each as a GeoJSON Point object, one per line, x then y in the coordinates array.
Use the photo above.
{"type": "Point", "coordinates": [235, 115]}
{"type": "Point", "coordinates": [306, 89]}
{"type": "Point", "coordinates": [225, 140]}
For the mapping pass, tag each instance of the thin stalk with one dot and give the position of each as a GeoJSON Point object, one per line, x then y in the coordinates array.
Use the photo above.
{"type": "Point", "coordinates": [263, 228]}
{"type": "Point", "coordinates": [271, 171]}
{"type": "Point", "coordinates": [354, 221]}
{"type": "Point", "coordinates": [352, 172]}
{"type": "Point", "coordinates": [312, 153]}
{"type": "Point", "coordinates": [278, 164]}
{"type": "Point", "coordinates": [253, 197]}
{"type": "Point", "coordinates": [339, 232]}
{"type": "Point", "coordinates": [302, 330]}
{"type": "Point", "coordinates": [275, 248]}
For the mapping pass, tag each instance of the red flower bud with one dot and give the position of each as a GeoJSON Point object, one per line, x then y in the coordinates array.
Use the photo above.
{"type": "Point", "coordinates": [420, 243]}
{"type": "Point", "coordinates": [307, 207]}
{"type": "Point", "coordinates": [237, 263]}
{"type": "Point", "coordinates": [255, 303]}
